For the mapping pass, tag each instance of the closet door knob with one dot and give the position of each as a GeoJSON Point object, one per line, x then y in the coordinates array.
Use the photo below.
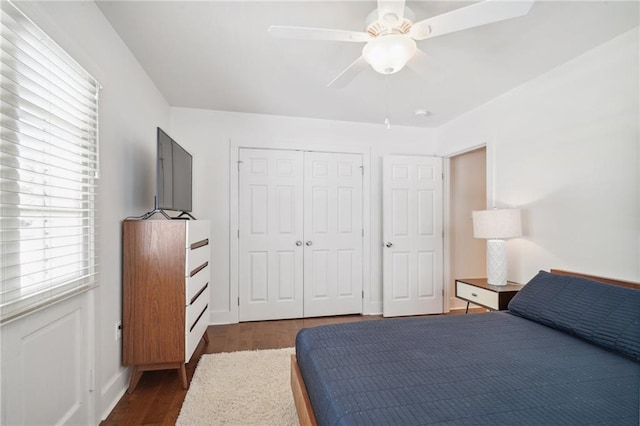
{"type": "Point", "coordinates": [308, 243]}
{"type": "Point", "coordinates": [298, 243]}
{"type": "Point", "coordinates": [389, 244]}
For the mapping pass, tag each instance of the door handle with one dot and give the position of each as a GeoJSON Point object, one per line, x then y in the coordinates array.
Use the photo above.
{"type": "Point", "coordinates": [308, 243]}
{"type": "Point", "coordinates": [298, 243]}
{"type": "Point", "coordinates": [389, 244]}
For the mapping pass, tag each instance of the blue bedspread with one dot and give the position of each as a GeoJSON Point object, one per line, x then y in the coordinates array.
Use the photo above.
{"type": "Point", "coordinates": [492, 369]}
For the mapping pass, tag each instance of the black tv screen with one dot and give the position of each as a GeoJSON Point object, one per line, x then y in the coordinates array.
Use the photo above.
{"type": "Point", "coordinates": [174, 167]}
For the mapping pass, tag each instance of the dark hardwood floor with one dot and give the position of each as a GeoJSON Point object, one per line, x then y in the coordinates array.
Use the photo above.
{"type": "Point", "coordinates": [158, 397]}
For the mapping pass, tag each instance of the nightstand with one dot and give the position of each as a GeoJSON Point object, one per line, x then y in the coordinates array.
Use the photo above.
{"type": "Point", "coordinates": [478, 292]}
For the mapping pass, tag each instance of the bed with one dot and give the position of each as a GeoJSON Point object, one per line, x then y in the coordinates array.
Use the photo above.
{"type": "Point", "coordinates": [566, 352]}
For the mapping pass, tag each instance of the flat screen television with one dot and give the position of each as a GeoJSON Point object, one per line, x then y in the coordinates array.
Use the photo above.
{"type": "Point", "coordinates": [174, 174]}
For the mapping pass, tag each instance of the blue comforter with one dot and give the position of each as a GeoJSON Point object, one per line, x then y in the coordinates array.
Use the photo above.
{"type": "Point", "coordinates": [493, 369]}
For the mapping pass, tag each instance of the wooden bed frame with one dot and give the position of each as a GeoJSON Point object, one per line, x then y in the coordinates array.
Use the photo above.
{"type": "Point", "coordinates": [304, 409]}
{"type": "Point", "coordinates": [306, 417]}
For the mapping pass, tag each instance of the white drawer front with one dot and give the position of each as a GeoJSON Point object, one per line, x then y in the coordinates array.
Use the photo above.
{"type": "Point", "coordinates": [194, 310]}
{"type": "Point", "coordinates": [197, 230]}
{"type": "Point", "coordinates": [196, 282]}
{"type": "Point", "coordinates": [193, 338]}
{"type": "Point", "coordinates": [197, 322]}
{"type": "Point", "coordinates": [196, 258]}
{"type": "Point", "coordinates": [477, 295]}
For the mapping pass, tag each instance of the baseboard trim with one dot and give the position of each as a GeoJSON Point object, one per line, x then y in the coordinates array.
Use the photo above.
{"type": "Point", "coordinates": [222, 317]}
{"type": "Point", "coordinates": [116, 387]}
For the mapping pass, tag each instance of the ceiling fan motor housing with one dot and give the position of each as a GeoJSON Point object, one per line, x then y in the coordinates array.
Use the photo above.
{"type": "Point", "coordinates": [390, 24]}
{"type": "Point", "coordinates": [390, 47]}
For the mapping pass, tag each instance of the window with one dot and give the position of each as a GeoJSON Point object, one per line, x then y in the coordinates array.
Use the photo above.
{"type": "Point", "coordinates": [48, 169]}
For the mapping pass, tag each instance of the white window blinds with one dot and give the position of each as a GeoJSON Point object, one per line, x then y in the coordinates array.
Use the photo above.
{"type": "Point", "coordinates": [48, 169]}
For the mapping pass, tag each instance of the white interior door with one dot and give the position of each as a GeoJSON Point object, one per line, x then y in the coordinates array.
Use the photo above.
{"type": "Point", "coordinates": [333, 234]}
{"type": "Point", "coordinates": [271, 225]}
{"type": "Point", "coordinates": [412, 235]}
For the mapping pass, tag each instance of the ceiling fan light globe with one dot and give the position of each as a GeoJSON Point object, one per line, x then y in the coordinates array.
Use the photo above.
{"type": "Point", "coordinates": [388, 54]}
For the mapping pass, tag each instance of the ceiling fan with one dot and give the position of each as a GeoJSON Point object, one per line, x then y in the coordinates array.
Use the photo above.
{"type": "Point", "coordinates": [391, 33]}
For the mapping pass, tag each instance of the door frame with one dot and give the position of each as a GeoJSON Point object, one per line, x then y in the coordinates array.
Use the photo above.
{"type": "Point", "coordinates": [234, 190]}
{"type": "Point", "coordinates": [446, 168]}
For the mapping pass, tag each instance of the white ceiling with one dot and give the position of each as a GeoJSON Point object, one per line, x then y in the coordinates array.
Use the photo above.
{"type": "Point", "coordinates": [218, 55]}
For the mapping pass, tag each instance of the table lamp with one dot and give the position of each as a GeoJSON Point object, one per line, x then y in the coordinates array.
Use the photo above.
{"type": "Point", "coordinates": [495, 226]}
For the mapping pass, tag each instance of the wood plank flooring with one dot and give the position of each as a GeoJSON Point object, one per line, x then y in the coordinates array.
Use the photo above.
{"type": "Point", "coordinates": [159, 395]}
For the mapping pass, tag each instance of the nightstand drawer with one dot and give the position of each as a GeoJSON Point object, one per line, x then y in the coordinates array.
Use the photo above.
{"type": "Point", "coordinates": [477, 295]}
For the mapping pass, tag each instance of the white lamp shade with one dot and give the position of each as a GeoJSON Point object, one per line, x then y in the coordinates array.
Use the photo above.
{"type": "Point", "coordinates": [388, 54]}
{"type": "Point", "coordinates": [497, 223]}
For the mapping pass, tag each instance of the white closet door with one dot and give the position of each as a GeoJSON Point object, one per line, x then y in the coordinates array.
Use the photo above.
{"type": "Point", "coordinates": [332, 234]}
{"type": "Point", "coordinates": [270, 221]}
{"type": "Point", "coordinates": [412, 235]}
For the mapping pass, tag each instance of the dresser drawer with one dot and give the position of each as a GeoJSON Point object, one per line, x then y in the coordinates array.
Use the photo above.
{"type": "Point", "coordinates": [196, 258]}
{"type": "Point", "coordinates": [195, 283]}
{"type": "Point", "coordinates": [197, 230]}
{"type": "Point", "coordinates": [477, 295]}
{"type": "Point", "coordinates": [197, 322]}
{"type": "Point", "coordinates": [195, 308]}
{"type": "Point", "coordinates": [194, 336]}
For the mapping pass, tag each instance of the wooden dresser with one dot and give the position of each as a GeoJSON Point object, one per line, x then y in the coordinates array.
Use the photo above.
{"type": "Point", "coordinates": [165, 294]}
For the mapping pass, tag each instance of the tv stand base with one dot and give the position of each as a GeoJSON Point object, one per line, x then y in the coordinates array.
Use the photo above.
{"type": "Point", "coordinates": [181, 216]}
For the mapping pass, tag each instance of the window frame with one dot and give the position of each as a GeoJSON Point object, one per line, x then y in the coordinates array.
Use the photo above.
{"type": "Point", "coordinates": [49, 160]}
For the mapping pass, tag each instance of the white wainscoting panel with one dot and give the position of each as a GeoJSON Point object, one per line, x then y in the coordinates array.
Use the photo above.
{"type": "Point", "coordinates": [47, 368]}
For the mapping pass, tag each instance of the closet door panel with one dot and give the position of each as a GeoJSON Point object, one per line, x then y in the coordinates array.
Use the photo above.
{"type": "Point", "coordinates": [270, 222]}
{"type": "Point", "coordinates": [332, 234]}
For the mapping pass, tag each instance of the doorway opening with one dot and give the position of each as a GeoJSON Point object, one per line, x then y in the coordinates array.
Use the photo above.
{"type": "Point", "coordinates": [467, 192]}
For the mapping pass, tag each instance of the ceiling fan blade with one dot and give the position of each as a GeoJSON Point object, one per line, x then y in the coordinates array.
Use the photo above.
{"type": "Point", "coordinates": [307, 33]}
{"type": "Point", "coordinates": [390, 7]}
{"type": "Point", "coordinates": [475, 15]}
{"type": "Point", "coordinates": [349, 73]}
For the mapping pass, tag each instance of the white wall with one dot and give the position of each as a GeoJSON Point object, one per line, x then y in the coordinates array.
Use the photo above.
{"type": "Point", "coordinates": [209, 136]}
{"type": "Point", "coordinates": [130, 109]}
{"type": "Point", "coordinates": [564, 147]}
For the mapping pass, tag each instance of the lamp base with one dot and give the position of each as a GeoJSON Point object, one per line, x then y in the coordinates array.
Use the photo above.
{"type": "Point", "coordinates": [496, 262]}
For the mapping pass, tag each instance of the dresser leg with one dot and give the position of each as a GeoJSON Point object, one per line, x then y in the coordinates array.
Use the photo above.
{"type": "Point", "coordinates": [205, 336]}
{"type": "Point", "coordinates": [136, 373]}
{"type": "Point", "coordinates": [183, 375]}
{"type": "Point", "coordinates": [467, 310]}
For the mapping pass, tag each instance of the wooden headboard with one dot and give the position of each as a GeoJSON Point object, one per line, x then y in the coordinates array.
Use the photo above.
{"type": "Point", "coordinates": [630, 284]}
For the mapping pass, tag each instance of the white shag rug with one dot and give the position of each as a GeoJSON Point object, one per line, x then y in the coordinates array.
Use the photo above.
{"type": "Point", "coordinates": [241, 388]}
